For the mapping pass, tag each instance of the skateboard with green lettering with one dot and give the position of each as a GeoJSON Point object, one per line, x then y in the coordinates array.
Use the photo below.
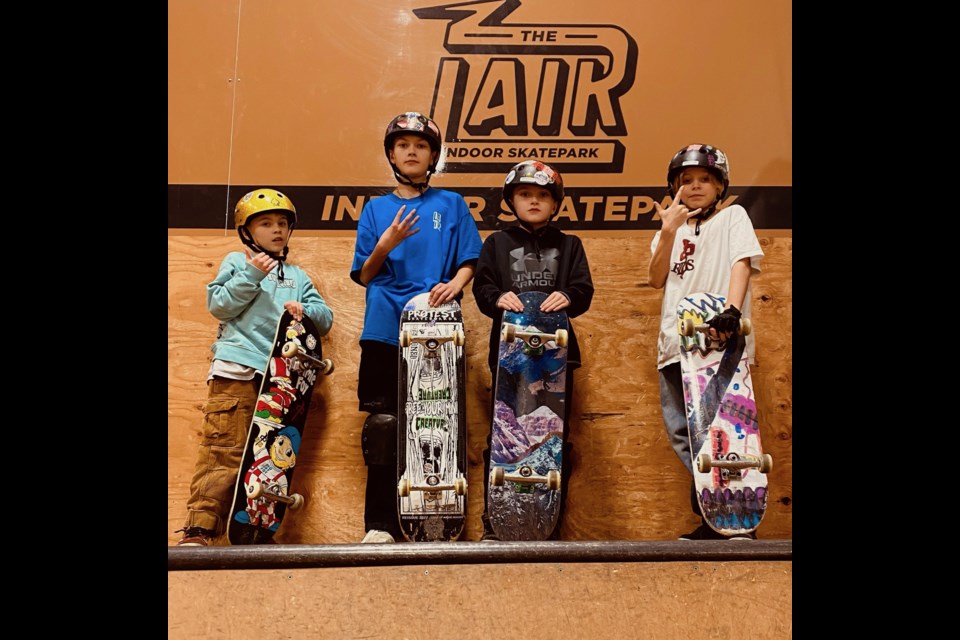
{"type": "Point", "coordinates": [432, 422]}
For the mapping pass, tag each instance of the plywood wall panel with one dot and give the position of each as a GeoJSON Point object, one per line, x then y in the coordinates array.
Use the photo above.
{"type": "Point", "coordinates": [627, 483]}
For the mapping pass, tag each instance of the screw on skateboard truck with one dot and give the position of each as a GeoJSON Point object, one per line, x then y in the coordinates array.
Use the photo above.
{"type": "Point", "coordinates": [729, 466]}
{"type": "Point", "coordinates": [432, 422]}
{"type": "Point", "coordinates": [526, 441]}
{"type": "Point", "coordinates": [262, 492]}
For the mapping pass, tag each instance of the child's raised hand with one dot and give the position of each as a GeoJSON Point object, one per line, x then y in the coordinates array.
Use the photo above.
{"type": "Point", "coordinates": [676, 215]}
{"type": "Point", "coordinates": [261, 261]}
{"type": "Point", "coordinates": [399, 230]}
{"type": "Point", "coordinates": [295, 308]}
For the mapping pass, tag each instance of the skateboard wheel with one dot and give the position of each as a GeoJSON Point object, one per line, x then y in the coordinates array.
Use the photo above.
{"type": "Point", "coordinates": [496, 476]}
{"type": "Point", "coordinates": [553, 479]}
{"type": "Point", "coordinates": [297, 501]}
{"type": "Point", "coordinates": [562, 337]}
{"type": "Point", "coordinates": [404, 487]}
{"type": "Point", "coordinates": [327, 367]}
{"type": "Point", "coordinates": [460, 486]}
{"type": "Point", "coordinates": [766, 463]}
{"type": "Point", "coordinates": [703, 462]}
{"type": "Point", "coordinates": [404, 339]}
{"type": "Point", "coordinates": [459, 338]}
{"type": "Point", "coordinates": [745, 326]}
{"type": "Point", "coordinates": [254, 490]}
{"type": "Point", "coordinates": [687, 328]}
{"type": "Point", "coordinates": [509, 332]}
{"type": "Point", "coordinates": [290, 350]}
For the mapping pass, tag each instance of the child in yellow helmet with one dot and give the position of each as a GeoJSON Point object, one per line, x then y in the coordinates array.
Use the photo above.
{"type": "Point", "coordinates": [247, 296]}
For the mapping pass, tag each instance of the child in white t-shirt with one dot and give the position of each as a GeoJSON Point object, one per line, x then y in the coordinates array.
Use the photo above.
{"type": "Point", "coordinates": [699, 248]}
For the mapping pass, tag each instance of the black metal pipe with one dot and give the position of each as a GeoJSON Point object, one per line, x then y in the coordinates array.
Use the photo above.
{"type": "Point", "coordinates": [302, 556]}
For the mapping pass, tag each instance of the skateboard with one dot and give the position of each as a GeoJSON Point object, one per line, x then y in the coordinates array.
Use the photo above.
{"type": "Point", "coordinates": [729, 466]}
{"type": "Point", "coordinates": [432, 419]}
{"type": "Point", "coordinates": [262, 491]}
{"type": "Point", "coordinates": [526, 444]}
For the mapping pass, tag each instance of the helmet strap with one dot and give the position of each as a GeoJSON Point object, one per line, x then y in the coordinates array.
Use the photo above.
{"type": "Point", "coordinates": [247, 239]}
{"type": "Point", "coordinates": [703, 216]}
{"type": "Point", "coordinates": [419, 186]}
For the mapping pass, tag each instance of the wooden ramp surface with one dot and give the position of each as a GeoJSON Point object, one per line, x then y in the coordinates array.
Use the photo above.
{"type": "Point", "coordinates": [715, 589]}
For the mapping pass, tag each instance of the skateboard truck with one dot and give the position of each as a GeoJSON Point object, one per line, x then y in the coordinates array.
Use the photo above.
{"type": "Point", "coordinates": [525, 475]}
{"type": "Point", "coordinates": [432, 486]}
{"type": "Point", "coordinates": [432, 342]}
{"type": "Point", "coordinates": [688, 327]}
{"type": "Point", "coordinates": [294, 350]}
{"type": "Point", "coordinates": [535, 340]}
{"type": "Point", "coordinates": [257, 490]}
{"type": "Point", "coordinates": [735, 463]}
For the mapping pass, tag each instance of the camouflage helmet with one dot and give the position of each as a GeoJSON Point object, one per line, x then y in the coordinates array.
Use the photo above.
{"type": "Point", "coordinates": [700, 155]}
{"type": "Point", "coordinates": [263, 201]}
{"type": "Point", "coordinates": [536, 173]}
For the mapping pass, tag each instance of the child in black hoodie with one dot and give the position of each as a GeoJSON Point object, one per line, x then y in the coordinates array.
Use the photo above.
{"type": "Point", "coordinates": [533, 256]}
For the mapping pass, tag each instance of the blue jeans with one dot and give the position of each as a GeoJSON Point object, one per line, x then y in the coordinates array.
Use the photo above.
{"type": "Point", "coordinates": [674, 410]}
{"type": "Point", "coordinates": [675, 413]}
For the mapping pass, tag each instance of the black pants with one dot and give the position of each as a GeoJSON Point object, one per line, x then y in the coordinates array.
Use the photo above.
{"type": "Point", "coordinates": [377, 392]}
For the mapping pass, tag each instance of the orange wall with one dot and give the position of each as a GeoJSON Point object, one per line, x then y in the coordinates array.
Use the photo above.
{"type": "Point", "coordinates": [299, 92]}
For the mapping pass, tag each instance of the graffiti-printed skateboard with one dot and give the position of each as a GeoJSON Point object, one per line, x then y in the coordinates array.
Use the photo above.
{"type": "Point", "coordinates": [526, 445]}
{"type": "Point", "coordinates": [729, 466]}
{"type": "Point", "coordinates": [262, 491]}
{"type": "Point", "coordinates": [432, 419]}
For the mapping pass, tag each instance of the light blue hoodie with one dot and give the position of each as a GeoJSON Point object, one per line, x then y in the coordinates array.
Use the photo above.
{"type": "Point", "coordinates": [248, 303]}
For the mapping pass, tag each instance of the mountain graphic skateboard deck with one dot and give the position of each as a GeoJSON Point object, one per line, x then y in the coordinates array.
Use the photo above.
{"type": "Point", "coordinates": [526, 452]}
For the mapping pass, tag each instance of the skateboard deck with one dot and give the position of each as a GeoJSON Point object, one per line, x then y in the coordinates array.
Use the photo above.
{"type": "Point", "coordinates": [432, 419]}
{"type": "Point", "coordinates": [262, 491]}
{"type": "Point", "coordinates": [526, 446]}
{"type": "Point", "coordinates": [729, 466]}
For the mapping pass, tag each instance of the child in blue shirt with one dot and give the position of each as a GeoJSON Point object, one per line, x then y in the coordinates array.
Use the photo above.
{"type": "Point", "coordinates": [416, 239]}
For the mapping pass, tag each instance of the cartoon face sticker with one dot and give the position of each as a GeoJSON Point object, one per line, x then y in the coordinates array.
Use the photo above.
{"type": "Point", "coordinates": [283, 451]}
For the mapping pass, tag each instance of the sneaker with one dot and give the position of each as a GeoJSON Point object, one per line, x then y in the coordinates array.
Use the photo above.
{"type": "Point", "coordinates": [375, 536]}
{"type": "Point", "coordinates": [489, 536]}
{"type": "Point", "coordinates": [195, 537]}
{"type": "Point", "coordinates": [703, 532]}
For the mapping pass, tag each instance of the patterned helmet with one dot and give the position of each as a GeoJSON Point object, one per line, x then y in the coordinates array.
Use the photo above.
{"type": "Point", "coordinates": [263, 201]}
{"type": "Point", "coordinates": [536, 173]}
{"type": "Point", "coordinates": [700, 155]}
{"type": "Point", "coordinates": [415, 123]}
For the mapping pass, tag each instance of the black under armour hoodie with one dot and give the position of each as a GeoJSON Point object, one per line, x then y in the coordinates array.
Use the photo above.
{"type": "Point", "coordinates": [519, 260]}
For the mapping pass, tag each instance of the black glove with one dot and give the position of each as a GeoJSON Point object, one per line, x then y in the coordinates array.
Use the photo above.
{"type": "Point", "coordinates": [726, 322]}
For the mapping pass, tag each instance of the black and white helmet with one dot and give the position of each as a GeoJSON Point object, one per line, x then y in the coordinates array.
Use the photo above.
{"type": "Point", "coordinates": [699, 155]}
